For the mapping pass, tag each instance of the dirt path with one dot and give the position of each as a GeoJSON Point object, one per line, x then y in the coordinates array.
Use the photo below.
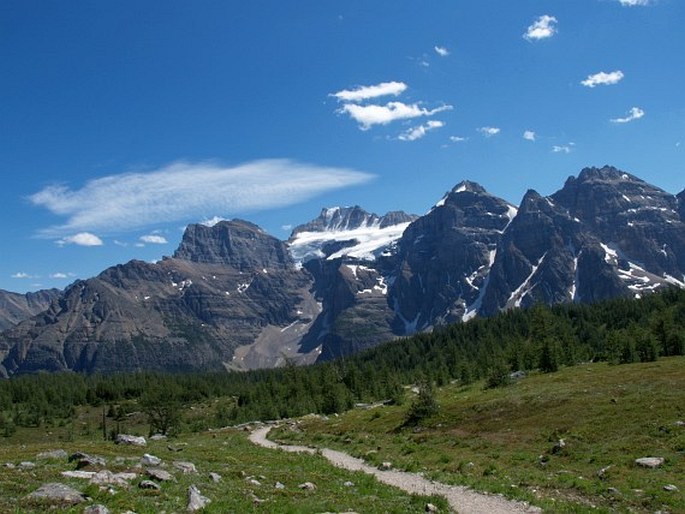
{"type": "Point", "coordinates": [461, 499]}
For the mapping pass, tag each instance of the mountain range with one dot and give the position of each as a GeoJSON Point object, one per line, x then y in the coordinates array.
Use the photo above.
{"type": "Point", "coordinates": [234, 297]}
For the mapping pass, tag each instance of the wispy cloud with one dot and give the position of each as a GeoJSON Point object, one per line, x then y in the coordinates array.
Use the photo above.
{"type": "Point", "coordinates": [367, 92]}
{"type": "Point", "coordinates": [60, 276]}
{"type": "Point", "coordinates": [369, 115]}
{"type": "Point", "coordinates": [632, 3]}
{"type": "Point", "coordinates": [529, 135]}
{"type": "Point", "coordinates": [635, 113]}
{"type": "Point", "coordinates": [441, 51]}
{"type": "Point", "coordinates": [603, 79]}
{"type": "Point", "coordinates": [489, 131]}
{"type": "Point", "coordinates": [23, 275]}
{"type": "Point", "coordinates": [183, 192]}
{"type": "Point", "coordinates": [153, 239]}
{"type": "Point", "coordinates": [420, 131]}
{"type": "Point", "coordinates": [458, 139]}
{"type": "Point", "coordinates": [563, 148]}
{"type": "Point", "coordinates": [542, 28]}
{"type": "Point", "coordinates": [81, 239]}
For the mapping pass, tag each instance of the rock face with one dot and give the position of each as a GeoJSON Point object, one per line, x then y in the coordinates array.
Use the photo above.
{"type": "Point", "coordinates": [233, 297]}
{"type": "Point", "coordinates": [15, 308]}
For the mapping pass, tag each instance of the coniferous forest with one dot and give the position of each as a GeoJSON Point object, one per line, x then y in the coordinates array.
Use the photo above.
{"type": "Point", "coordinates": [537, 339]}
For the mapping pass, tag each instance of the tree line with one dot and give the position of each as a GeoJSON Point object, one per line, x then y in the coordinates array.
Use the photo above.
{"type": "Point", "coordinates": [540, 338]}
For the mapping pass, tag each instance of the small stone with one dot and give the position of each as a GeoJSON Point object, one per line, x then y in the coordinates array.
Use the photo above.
{"type": "Point", "coordinates": [558, 446]}
{"type": "Point", "coordinates": [670, 488]}
{"type": "Point", "coordinates": [87, 475]}
{"type": "Point", "coordinates": [613, 490]}
{"type": "Point", "coordinates": [349, 484]}
{"type": "Point", "coordinates": [96, 509]}
{"type": "Point", "coordinates": [52, 454]}
{"type": "Point", "coordinates": [256, 500]}
{"type": "Point", "coordinates": [185, 467]}
{"type": "Point", "coordinates": [602, 473]}
{"type": "Point", "coordinates": [157, 437]}
{"type": "Point", "coordinates": [431, 508]}
{"type": "Point", "coordinates": [254, 482]}
{"type": "Point", "coordinates": [385, 466]}
{"type": "Point", "coordinates": [307, 486]}
{"type": "Point", "coordinates": [150, 460]}
{"type": "Point", "coordinates": [83, 460]}
{"type": "Point", "coordinates": [279, 486]}
{"type": "Point", "coordinates": [149, 484]}
{"type": "Point", "coordinates": [133, 440]}
{"type": "Point", "coordinates": [176, 448]}
{"type": "Point", "coordinates": [57, 493]}
{"type": "Point", "coordinates": [9, 465]}
{"type": "Point", "coordinates": [106, 477]}
{"type": "Point", "coordinates": [650, 462]}
{"type": "Point", "coordinates": [216, 477]}
{"type": "Point", "coordinates": [27, 464]}
{"type": "Point", "coordinates": [195, 499]}
{"type": "Point", "coordinates": [159, 474]}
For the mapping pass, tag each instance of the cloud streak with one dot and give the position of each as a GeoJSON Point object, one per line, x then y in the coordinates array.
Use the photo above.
{"type": "Point", "coordinates": [542, 28]}
{"type": "Point", "coordinates": [182, 192]}
{"type": "Point", "coordinates": [420, 131]}
{"type": "Point", "coordinates": [370, 115]}
{"type": "Point", "coordinates": [441, 51]}
{"type": "Point", "coordinates": [603, 79]}
{"type": "Point", "coordinates": [489, 131]}
{"type": "Point", "coordinates": [367, 92]}
{"type": "Point", "coordinates": [81, 239]}
{"type": "Point", "coordinates": [153, 239]}
{"type": "Point", "coordinates": [635, 113]}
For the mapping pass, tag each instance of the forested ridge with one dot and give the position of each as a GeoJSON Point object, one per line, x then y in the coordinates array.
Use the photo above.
{"type": "Point", "coordinates": [540, 338]}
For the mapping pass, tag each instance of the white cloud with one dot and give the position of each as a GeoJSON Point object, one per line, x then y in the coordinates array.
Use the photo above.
{"type": "Point", "coordinates": [59, 275]}
{"type": "Point", "coordinates": [635, 113]}
{"type": "Point", "coordinates": [420, 131]}
{"type": "Point", "coordinates": [81, 239]}
{"type": "Point", "coordinates": [182, 192]}
{"type": "Point", "coordinates": [22, 275]}
{"type": "Point", "coordinates": [367, 92]}
{"type": "Point", "coordinates": [441, 51]}
{"type": "Point", "coordinates": [210, 222]}
{"type": "Point", "coordinates": [632, 3]}
{"type": "Point", "coordinates": [529, 135]}
{"type": "Point", "coordinates": [489, 131]}
{"type": "Point", "coordinates": [287, 227]}
{"type": "Point", "coordinates": [542, 28]}
{"type": "Point", "coordinates": [603, 79]}
{"type": "Point", "coordinates": [563, 148]}
{"type": "Point", "coordinates": [154, 239]}
{"type": "Point", "coordinates": [458, 139]}
{"type": "Point", "coordinates": [369, 115]}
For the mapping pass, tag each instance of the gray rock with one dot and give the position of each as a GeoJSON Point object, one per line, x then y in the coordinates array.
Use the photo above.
{"type": "Point", "coordinates": [27, 464]}
{"type": "Point", "coordinates": [150, 460]}
{"type": "Point", "coordinates": [133, 440]}
{"type": "Point", "coordinates": [216, 477]}
{"type": "Point", "coordinates": [149, 484]}
{"type": "Point", "coordinates": [602, 473]}
{"type": "Point", "coordinates": [185, 467]}
{"type": "Point", "coordinates": [106, 477]}
{"type": "Point", "coordinates": [9, 465]}
{"type": "Point", "coordinates": [349, 484]}
{"type": "Point", "coordinates": [87, 475]}
{"type": "Point", "coordinates": [157, 437]}
{"type": "Point", "coordinates": [254, 482]}
{"type": "Point", "coordinates": [431, 508]}
{"type": "Point", "coordinates": [52, 455]}
{"type": "Point", "coordinates": [159, 474]}
{"type": "Point", "coordinates": [670, 488]}
{"type": "Point", "coordinates": [307, 486]}
{"type": "Point", "coordinates": [279, 485]}
{"type": "Point", "coordinates": [57, 493]}
{"type": "Point", "coordinates": [650, 462]}
{"type": "Point", "coordinates": [195, 499]}
{"type": "Point", "coordinates": [176, 448]}
{"type": "Point", "coordinates": [83, 460]}
{"type": "Point", "coordinates": [385, 466]}
{"type": "Point", "coordinates": [558, 446]}
{"type": "Point", "coordinates": [96, 509]}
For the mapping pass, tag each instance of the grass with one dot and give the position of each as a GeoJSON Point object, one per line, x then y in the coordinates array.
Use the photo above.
{"type": "Point", "coordinates": [501, 440]}
{"type": "Point", "coordinates": [226, 452]}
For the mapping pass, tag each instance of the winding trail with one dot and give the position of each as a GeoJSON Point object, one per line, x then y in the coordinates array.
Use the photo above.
{"type": "Point", "coordinates": [462, 499]}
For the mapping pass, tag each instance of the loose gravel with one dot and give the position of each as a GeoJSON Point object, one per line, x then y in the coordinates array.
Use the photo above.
{"type": "Point", "coordinates": [460, 498]}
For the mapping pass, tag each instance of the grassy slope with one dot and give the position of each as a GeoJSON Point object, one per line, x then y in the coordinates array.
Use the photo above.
{"type": "Point", "coordinates": [501, 440]}
{"type": "Point", "coordinates": [226, 452]}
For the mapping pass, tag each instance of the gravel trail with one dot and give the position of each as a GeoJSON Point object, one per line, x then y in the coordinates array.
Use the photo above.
{"type": "Point", "coordinates": [462, 499]}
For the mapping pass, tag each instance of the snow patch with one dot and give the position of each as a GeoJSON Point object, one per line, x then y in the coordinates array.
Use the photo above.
{"type": "Point", "coordinates": [523, 289]}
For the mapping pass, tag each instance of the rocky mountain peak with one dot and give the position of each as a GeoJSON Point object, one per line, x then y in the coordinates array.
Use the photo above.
{"type": "Point", "coordinates": [681, 204]}
{"type": "Point", "coordinates": [467, 186]}
{"type": "Point", "coordinates": [237, 243]}
{"type": "Point", "coordinates": [340, 219]}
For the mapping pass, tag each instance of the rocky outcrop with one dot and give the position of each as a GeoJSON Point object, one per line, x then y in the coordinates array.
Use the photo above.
{"type": "Point", "coordinates": [15, 307]}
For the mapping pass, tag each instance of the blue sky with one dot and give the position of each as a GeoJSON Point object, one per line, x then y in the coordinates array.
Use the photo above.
{"type": "Point", "coordinates": [121, 122]}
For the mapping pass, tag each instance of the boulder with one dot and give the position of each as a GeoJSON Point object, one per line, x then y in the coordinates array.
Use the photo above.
{"type": "Point", "coordinates": [185, 467]}
{"type": "Point", "coordinates": [195, 499]}
{"type": "Point", "coordinates": [133, 440]}
{"type": "Point", "coordinates": [150, 460]}
{"type": "Point", "coordinates": [83, 460]}
{"type": "Point", "coordinates": [216, 477]}
{"type": "Point", "coordinates": [650, 462]}
{"type": "Point", "coordinates": [159, 474]}
{"type": "Point", "coordinates": [149, 484]}
{"type": "Point", "coordinates": [57, 493]}
{"type": "Point", "coordinates": [52, 455]}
